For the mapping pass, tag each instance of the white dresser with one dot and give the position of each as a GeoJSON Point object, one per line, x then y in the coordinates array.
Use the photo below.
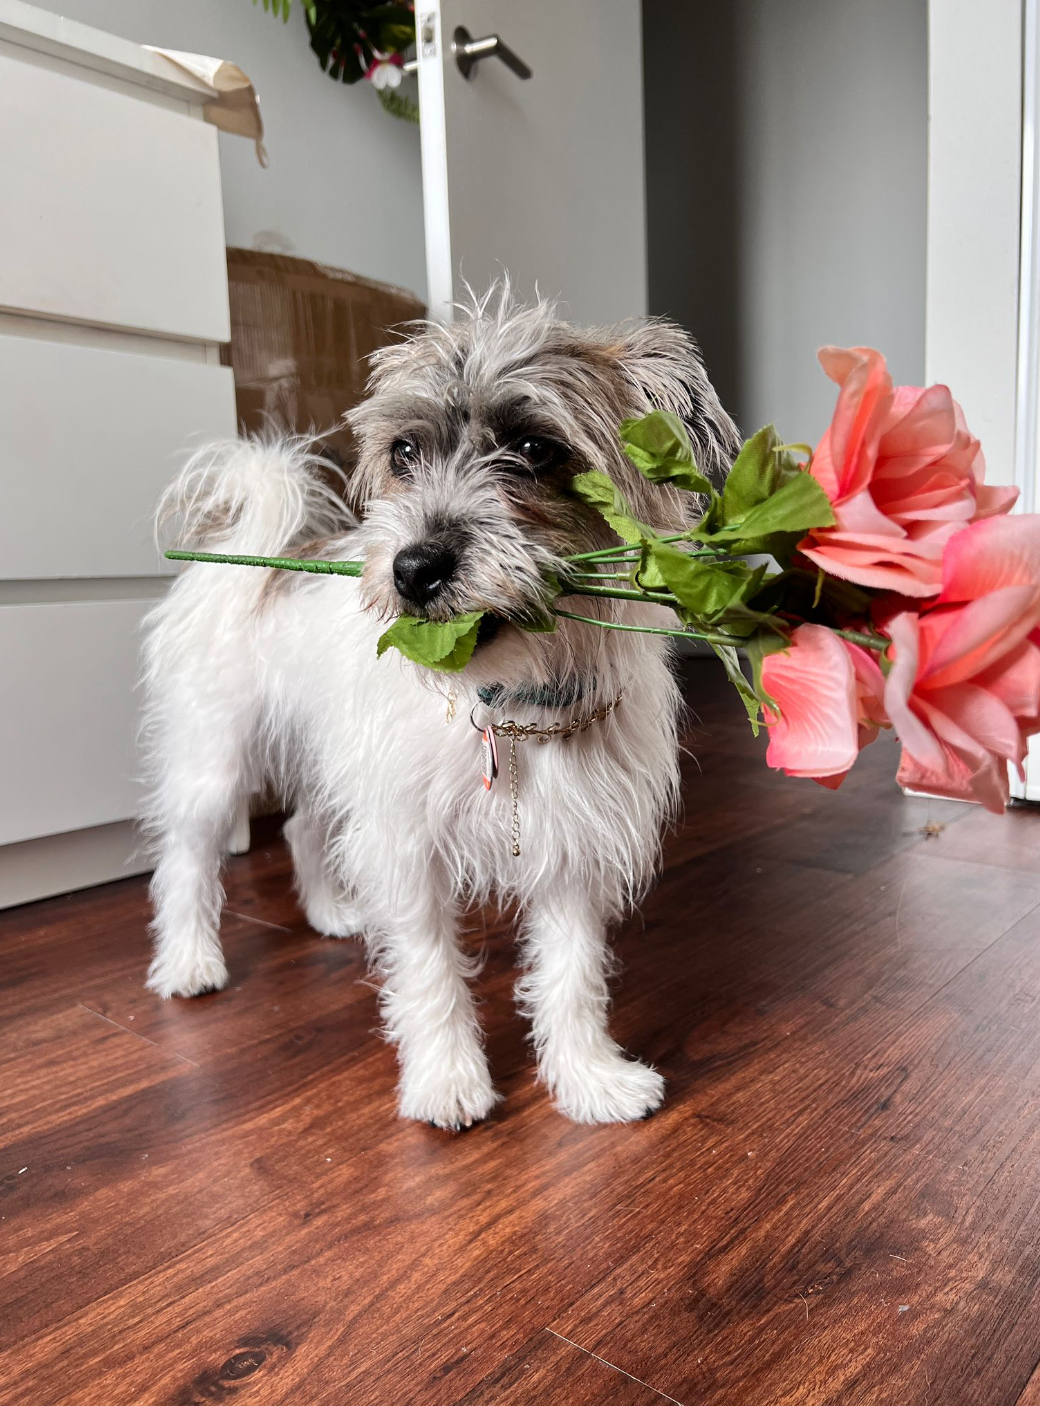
{"type": "Point", "coordinates": [113, 306]}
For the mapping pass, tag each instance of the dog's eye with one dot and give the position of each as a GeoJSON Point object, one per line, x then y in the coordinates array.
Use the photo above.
{"type": "Point", "coordinates": [403, 457]}
{"type": "Point", "coordinates": [538, 452]}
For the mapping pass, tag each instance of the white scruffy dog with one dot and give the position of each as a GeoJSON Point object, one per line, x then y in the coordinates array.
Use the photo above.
{"type": "Point", "coordinates": [467, 443]}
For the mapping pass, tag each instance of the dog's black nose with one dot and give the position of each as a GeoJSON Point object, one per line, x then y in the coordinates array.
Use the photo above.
{"type": "Point", "coordinates": [422, 570]}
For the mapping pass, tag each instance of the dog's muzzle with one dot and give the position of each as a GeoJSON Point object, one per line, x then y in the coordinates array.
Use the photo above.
{"type": "Point", "coordinates": [422, 570]}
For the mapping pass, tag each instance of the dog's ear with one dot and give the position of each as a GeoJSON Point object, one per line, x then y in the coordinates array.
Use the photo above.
{"type": "Point", "coordinates": [664, 364]}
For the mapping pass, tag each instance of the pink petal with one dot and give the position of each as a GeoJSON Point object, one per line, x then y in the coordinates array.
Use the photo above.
{"type": "Point", "coordinates": [844, 460]}
{"type": "Point", "coordinates": [831, 782]}
{"type": "Point", "coordinates": [904, 630]}
{"type": "Point", "coordinates": [907, 567]}
{"type": "Point", "coordinates": [964, 640]}
{"type": "Point", "coordinates": [993, 500]}
{"type": "Point", "coordinates": [1015, 680]}
{"type": "Point", "coordinates": [954, 778]}
{"type": "Point", "coordinates": [989, 775]}
{"type": "Point", "coordinates": [921, 428]}
{"type": "Point", "coordinates": [813, 683]}
{"type": "Point", "coordinates": [971, 718]}
{"type": "Point", "coordinates": [991, 553]}
{"type": "Point", "coordinates": [870, 689]}
{"type": "Point", "coordinates": [861, 515]}
{"type": "Point", "coordinates": [946, 777]}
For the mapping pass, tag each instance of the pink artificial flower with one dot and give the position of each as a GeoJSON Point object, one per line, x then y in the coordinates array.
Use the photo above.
{"type": "Point", "coordinates": [964, 689]}
{"type": "Point", "coordinates": [903, 474]}
{"type": "Point", "coordinates": [829, 693]}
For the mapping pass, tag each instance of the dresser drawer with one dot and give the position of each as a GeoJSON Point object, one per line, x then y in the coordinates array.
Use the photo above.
{"type": "Point", "coordinates": [110, 205]}
{"type": "Point", "coordinates": [68, 715]}
{"type": "Point", "coordinates": [88, 439]}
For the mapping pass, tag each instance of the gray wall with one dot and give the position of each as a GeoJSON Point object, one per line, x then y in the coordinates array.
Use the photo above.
{"type": "Point", "coordinates": [786, 189]}
{"type": "Point", "coordinates": [344, 185]}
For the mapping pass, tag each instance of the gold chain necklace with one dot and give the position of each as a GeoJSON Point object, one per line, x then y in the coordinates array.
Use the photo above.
{"type": "Point", "coordinates": [521, 732]}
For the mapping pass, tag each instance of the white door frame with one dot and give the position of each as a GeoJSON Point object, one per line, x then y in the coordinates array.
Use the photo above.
{"type": "Point", "coordinates": [983, 274]}
{"type": "Point", "coordinates": [440, 273]}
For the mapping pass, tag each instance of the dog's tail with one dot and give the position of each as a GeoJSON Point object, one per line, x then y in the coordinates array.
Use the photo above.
{"type": "Point", "coordinates": [259, 495]}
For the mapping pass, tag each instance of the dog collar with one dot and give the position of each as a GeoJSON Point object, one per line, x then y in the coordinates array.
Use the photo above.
{"type": "Point", "coordinates": [563, 695]}
{"type": "Point", "coordinates": [521, 732]}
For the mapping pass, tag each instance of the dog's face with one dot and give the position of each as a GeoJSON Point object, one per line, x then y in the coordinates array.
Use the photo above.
{"type": "Point", "coordinates": [472, 433]}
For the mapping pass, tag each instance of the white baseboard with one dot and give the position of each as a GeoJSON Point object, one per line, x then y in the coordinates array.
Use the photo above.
{"type": "Point", "coordinates": [79, 859]}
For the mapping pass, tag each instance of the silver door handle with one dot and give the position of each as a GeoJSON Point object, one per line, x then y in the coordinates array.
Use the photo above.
{"type": "Point", "coordinates": [469, 52]}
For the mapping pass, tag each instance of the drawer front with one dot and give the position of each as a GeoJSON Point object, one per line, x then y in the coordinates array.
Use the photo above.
{"type": "Point", "coordinates": [110, 209]}
{"type": "Point", "coordinates": [88, 440]}
{"type": "Point", "coordinates": [68, 715]}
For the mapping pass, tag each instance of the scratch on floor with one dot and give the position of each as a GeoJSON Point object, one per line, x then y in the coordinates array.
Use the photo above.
{"type": "Point", "coordinates": [614, 1367]}
{"type": "Point", "coordinates": [155, 1045]}
{"type": "Point", "coordinates": [249, 918]}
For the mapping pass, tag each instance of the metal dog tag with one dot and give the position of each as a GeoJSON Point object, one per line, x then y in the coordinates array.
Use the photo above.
{"type": "Point", "coordinates": [488, 757]}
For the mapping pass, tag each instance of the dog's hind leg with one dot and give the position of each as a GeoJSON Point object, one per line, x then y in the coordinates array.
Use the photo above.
{"type": "Point", "coordinates": [329, 907]}
{"type": "Point", "coordinates": [564, 992]}
{"type": "Point", "coordinates": [192, 811]}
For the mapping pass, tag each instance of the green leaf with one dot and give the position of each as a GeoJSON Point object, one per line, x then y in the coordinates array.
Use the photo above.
{"type": "Point", "coordinates": [660, 448]}
{"type": "Point", "coordinates": [599, 492]}
{"type": "Point", "coordinates": [754, 476]}
{"type": "Point", "coordinates": [796, 506]}
{"type": "Point", "coordinates": [731, 663]}
{"type": "Point", "coordinates": [445, 645]}
{"type": "Point", "coordinates": [757, 648]}
{"type": "Point", "coordinates": [704, 589]}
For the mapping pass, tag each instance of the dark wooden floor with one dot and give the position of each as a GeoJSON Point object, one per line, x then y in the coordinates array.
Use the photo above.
{"type": "Point", "coordinates": [839, 1203]}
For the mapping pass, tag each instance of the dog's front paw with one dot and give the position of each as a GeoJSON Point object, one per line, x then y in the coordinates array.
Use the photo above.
{"type": "Point", "coordinates": [610, 1090]}
{"type": "Point", "coordinates": [190, 976]}
{"type": "Point", "coordinates": [456, 1102]}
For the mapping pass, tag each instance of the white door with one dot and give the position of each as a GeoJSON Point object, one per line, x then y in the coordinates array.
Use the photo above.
{"type": "Point", "coordinates": [541, 177]}
{"type": "Point", "coordinates": [983, 302]}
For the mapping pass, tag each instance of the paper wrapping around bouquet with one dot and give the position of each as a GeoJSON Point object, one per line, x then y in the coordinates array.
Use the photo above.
{"type": "Point", "coordinates": [235, 106]}
{"type": "Point", "coordinates": [301, 336]}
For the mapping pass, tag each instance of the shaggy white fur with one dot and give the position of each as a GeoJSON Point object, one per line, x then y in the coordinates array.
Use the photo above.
{"type": "Point", "coordinates": [252, 678]}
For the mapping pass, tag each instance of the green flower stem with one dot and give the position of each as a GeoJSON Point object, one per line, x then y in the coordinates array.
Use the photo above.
{"type": "Point", "coordinates": [652, 629]}
{"type": "Point", "coordinates": [571, 588]}
{"type": "Point", "coordinates": [618, 553]}
{"type": "Point", "coordinates": [320, 568]}
{"type": "Point", "coordinates": [877, 642]}
{"type": "Point", "coordinates": [599, 576]}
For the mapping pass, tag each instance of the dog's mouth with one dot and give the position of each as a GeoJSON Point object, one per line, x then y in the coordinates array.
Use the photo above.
{"type": "Point", "coordinates": [488, 628]}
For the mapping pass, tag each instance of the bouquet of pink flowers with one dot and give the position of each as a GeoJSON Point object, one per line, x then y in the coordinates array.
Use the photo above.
{"type": "Point", "coordinates": [903, 595]}
{"type": "Point", "coordinates": [952, 588]}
